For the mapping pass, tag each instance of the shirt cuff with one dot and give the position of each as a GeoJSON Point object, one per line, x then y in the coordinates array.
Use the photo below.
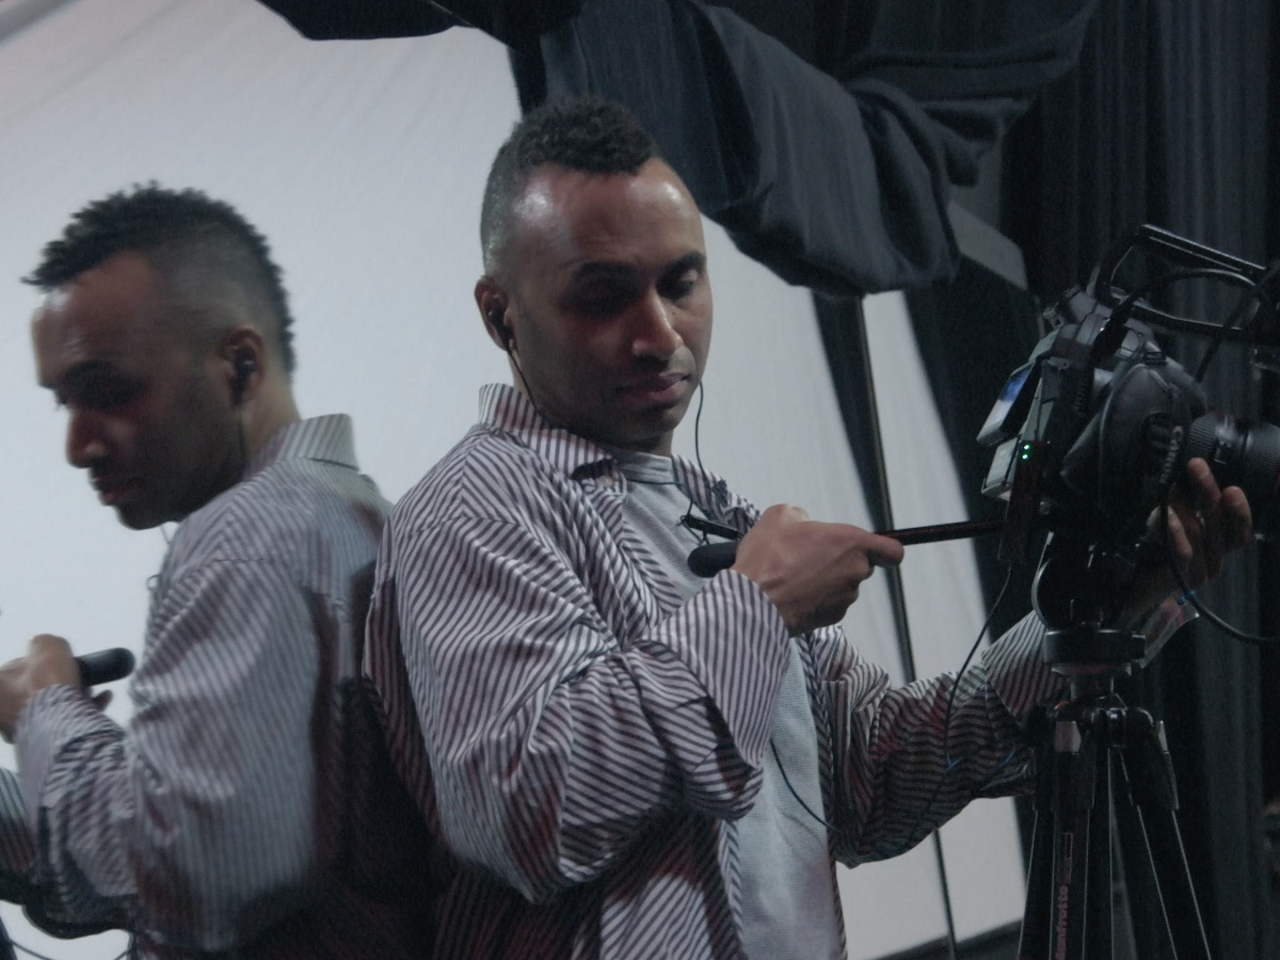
{"type": "Point", "coordinates": [55, 717]}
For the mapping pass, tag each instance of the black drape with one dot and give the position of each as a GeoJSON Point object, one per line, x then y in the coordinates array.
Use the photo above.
{"type": "Point", "coordinates": [835, 176]}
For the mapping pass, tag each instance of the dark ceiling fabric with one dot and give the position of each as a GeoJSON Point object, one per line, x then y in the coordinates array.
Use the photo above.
{"type": "Point", "coordinates": [1170, 119]}
{"type": "Point", "coordinates": [361, 19]}
{"type": "Point", "coordinates": [514, 22]}
{"type": "Point", "coordinates": [836, 180]}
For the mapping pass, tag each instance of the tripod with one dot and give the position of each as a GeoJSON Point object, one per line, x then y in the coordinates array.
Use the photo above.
{"type": "Point", "coordinates": [1097, 757]}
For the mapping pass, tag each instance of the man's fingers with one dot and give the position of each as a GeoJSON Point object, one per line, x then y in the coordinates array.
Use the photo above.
{"type": "Point", "coordinates": [1237, 518]}
{"type": "Point", "coordinates": [1205, 525]}
{"type": "Point", "coordinates": [49, 662]}
{"type": "Point", "coordinates": [781, 512]}
{"type": "Point", "coordinates": [884, 551]}
{"type": "Point", "coordinates": [1180, 536]}
{"type": "Point", "coordinates": [1208, 496]}
{"type": "Point", "coordinates": [47, 643]}
{"type": "Point", "coordinates": [811, 570]}
{"type": "Point", "coordinates": [1208, 524]}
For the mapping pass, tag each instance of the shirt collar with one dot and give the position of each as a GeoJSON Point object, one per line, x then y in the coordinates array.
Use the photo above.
{"type": "Point", "coordinates": [504, 408]}
{"type": "Point", "coordinates": [328, 438]}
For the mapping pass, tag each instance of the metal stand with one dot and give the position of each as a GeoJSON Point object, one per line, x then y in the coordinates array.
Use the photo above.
{"type": "Point", "coordinates": [1098, 759]}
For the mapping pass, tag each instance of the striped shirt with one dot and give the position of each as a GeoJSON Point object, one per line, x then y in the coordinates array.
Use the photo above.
{"type": "Point", "coordinates": [224, 817]}
{"type": "Point", "coordinates": [584, 742]}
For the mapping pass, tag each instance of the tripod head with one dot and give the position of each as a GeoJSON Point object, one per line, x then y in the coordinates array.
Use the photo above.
{"type": "Point", "coordinates": [1079, 592]}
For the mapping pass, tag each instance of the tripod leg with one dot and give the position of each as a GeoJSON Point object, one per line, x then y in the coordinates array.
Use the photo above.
{"type": "Point", "coordinates": [1154, 824]}
{"type": "Point", "coordinates": [1099, 911]}
{"type": "Point", "coordinates": [1152, 933]}
{"type": "Point", "coordinates": [1033, 941]}
{"type": "Point", "coordinates": [1057, 887]}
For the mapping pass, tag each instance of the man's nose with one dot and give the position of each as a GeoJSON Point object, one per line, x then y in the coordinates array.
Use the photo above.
{"type": "Point", "coordinates": [655, 333]}
{"type": "Point", "coordinates": [86, 441]}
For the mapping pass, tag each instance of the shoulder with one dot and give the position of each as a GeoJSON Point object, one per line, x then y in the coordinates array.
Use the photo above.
{"type": "Point", "coordinates": [282, 511]}
{"type": "Point", "coordinates": [488, 475]}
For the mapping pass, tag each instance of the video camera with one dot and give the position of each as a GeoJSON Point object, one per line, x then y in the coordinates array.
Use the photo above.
{"type": "Point", "coordinates": [1093, 431]}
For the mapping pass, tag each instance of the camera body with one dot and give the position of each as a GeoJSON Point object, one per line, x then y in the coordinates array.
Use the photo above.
{"type": "Point", "coordinates": [1098, 440]}
{"type": "Point", "coordinates": [1095, 429]}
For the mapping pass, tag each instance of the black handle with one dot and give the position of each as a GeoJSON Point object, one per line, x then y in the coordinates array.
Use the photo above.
{"type": "Point", "coordinates": [711, 558]}
{"type": "Point", "coordinates": [104, 666]}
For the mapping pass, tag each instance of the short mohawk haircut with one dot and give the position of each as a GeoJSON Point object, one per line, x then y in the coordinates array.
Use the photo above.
{"type": "Point", "coordinates": [589, 134]}
{"type": "Point", "coordinates": [170, 227]}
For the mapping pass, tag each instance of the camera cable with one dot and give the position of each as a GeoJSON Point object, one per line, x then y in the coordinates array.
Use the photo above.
{"type": "Point", "coordinates": [1252, 297]}
{"type": "Point", "coordinates": [1189, 594]}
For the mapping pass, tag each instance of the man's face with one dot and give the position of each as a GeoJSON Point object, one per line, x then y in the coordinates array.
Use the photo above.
{"type": "Point", "coordinates": [148, 419]}
{"type": "Point", "coordinates": [609, 302]}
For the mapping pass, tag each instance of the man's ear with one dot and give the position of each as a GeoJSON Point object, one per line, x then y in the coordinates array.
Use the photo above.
{"type": "Point", "coordinates": [243, 354]}
{"type": "Point", "coordinates": [492, 301]}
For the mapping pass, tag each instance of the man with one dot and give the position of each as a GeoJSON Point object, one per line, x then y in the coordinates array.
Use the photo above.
{"type": "Point", "coordinates": [625, 762]}
{"type": "Point", "coordinates": [222, 817]}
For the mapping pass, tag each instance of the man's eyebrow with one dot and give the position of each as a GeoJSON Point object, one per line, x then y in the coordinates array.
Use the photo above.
{"type": "Point", "coordinates": [592, 269]}
{"type": "Point", "coordinates": [693, 260]}
{"type": "Point", "coordinates": [80, 374]}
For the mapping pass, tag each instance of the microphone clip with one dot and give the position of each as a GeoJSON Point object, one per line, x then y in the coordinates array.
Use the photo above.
{"type": "Point", "coordinates": [709, 527]}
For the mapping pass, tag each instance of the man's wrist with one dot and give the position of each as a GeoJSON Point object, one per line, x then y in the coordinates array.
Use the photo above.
{"type": "Point", "coordinates": [1168, 617]}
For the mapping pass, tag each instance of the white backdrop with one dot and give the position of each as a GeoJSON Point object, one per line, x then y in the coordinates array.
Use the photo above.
{"type": "Point", "coordinates": [363, 164]}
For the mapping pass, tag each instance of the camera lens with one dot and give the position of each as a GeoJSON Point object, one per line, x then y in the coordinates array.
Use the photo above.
{"type": "Point", "coordinates": [1244, 455]}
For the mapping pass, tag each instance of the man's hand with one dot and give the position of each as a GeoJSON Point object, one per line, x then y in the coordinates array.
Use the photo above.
{"type": "Point", "coordinates": [1206, 525]}
{"type": "Point", "coordinates": [810, 570]}
{"type": "Point", "coordinates": [48, 662]}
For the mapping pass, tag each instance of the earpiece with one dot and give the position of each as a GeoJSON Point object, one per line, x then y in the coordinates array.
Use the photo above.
{"type": "Point", "coordinates": [500, 328]}
{"type": "Point", "coordinates": [245, 367]}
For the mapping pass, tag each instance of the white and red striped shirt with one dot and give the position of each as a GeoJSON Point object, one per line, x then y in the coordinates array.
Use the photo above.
{"type": "Point", "coordinates": [584, 742]}
{"type": "Point", "coordinates": [233, 812]}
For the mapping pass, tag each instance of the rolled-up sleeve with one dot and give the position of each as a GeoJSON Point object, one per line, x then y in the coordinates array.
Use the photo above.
{"type": "Point", "coordinates": [908, 759]}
